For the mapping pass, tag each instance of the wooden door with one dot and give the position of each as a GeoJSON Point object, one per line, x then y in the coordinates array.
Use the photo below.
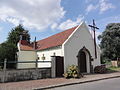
{"type": "Point", "coordinates": [82, 62]}
{"type": "Point", "coordinates": [59, 66]}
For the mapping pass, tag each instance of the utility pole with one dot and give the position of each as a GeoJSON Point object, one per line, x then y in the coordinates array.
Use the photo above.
{"type": "Point", "coordinates": [93, 27]}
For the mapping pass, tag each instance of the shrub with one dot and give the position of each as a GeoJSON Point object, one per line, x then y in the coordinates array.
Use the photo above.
{"type": "Point", "coordinates": [72, 72]}
{"type": "Point", "coordinates": [100, 69]}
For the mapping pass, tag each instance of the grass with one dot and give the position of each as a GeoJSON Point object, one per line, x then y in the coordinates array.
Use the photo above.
{"type": "Point", "coordinates": [113, 69]}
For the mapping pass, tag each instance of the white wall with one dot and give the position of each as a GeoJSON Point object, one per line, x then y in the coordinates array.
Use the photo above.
{"type": "Point", "coordinates": [26, 56]}
{"type": "Point", "coordinates": [80, 38]}
{"type": "Point", "coordinates": [47, 54]}
{"type": "Point", "coordinates": [97, 61]}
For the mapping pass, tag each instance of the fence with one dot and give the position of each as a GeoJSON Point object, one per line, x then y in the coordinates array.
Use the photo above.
{"type": "Point", "coordinates": [24, 74]}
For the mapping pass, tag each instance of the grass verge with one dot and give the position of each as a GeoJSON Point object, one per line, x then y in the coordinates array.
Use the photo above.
{"type": "Point", "coordinates": [113, 69]}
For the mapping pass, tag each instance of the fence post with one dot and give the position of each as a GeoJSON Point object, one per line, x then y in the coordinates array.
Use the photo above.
{"type": "Point", "coordinates": [36, 64]}
{"type": "Point", "coordinates": [53, 66]}
{"type": "Point", "coordinates": [4, 71]}
{"type": "Point", "coordinates": [36, 68]}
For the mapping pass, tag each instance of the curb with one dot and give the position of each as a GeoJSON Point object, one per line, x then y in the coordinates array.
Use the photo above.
{"type": "Point", "coordinates": [73, 83]}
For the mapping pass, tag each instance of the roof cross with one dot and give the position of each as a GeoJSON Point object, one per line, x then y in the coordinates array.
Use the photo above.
{"type": "Point", "coordinates": [93, 27]}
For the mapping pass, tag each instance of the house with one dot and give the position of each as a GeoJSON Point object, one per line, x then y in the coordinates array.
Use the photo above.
{"type": "Point", "coordinates": [76, 45]}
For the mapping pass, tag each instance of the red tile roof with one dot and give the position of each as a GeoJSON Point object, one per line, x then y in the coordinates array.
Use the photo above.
{"type": "Point", "coordinates": [24, 45]}
{"type": "Point", "coordinates": [52, 41]}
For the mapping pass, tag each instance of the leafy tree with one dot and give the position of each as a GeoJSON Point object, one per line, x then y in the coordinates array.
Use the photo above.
{"type": "Point", "coordinates": [110, 41]}
{"type": "Point", "coordinates": [9, 49]}
{"type": "Point", "coordinates": [14, 35]}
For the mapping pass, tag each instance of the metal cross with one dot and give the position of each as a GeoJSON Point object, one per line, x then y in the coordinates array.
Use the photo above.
{"type": "Point", "coordinates": [93, 27]}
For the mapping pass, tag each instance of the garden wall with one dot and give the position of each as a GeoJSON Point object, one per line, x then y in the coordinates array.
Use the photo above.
{"type": "Point", "coordinates": [25, 74]}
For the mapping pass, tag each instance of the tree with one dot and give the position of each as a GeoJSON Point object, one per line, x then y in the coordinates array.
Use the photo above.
{"type": "Point", "coordinates": [14, 35]}
{"type": "Point", "coordinates": [110, 41]}
{"type": "Point", "coordinates": [9, 49]}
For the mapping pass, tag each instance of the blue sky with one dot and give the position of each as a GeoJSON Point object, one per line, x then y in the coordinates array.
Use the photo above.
{"type": "Point", "coordinates": [46, 17]}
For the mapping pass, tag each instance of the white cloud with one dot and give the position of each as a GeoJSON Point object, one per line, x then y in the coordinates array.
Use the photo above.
{"type": "Point", "coordinates": [38, 14]}
{"type": "Point", "coordinates": [91, 7]}
{"type": "Point", "coordinates": [104, 6]}
{"type": "Point", "coordinates": [54, 25]}
{"type": "Point", "coordinates": [70, 23]}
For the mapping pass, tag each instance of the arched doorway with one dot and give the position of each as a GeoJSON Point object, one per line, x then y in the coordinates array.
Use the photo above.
{"type": "Point", "coordinates": [84, 61]}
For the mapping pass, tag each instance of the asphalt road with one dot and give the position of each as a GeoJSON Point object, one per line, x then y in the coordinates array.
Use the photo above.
{"type": "Point", "coordinates": [108, 84]}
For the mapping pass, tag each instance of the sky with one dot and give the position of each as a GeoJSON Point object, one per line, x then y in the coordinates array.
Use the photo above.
{"type": "Point", "coordinates": [44, 18]}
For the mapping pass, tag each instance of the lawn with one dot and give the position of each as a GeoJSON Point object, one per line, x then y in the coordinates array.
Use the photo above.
{"type": "Point", "coordinates": [113, 69]}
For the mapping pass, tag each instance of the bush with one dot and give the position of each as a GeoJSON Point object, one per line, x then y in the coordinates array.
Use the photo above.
{"type": "Point", "coordinates": [100, 69]}
{"type": "Point", "coordinates": [72, 72]}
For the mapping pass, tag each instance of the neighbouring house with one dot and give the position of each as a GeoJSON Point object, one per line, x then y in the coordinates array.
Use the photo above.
{"type": "Point", "coordinates": [76, 45]}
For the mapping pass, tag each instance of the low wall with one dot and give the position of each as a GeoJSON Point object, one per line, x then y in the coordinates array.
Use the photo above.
{"type": "Point", "coordinates": [25, 74]}
{"type": "Point", "coordinates": [115, 63]}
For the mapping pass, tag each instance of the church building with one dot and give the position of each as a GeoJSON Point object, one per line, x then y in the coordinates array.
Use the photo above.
{"type": "Point", "coordinates": [75, 45]}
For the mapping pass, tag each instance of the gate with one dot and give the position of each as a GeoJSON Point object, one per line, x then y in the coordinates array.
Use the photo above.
{"type": "Point", "coordinates": [57, 66]}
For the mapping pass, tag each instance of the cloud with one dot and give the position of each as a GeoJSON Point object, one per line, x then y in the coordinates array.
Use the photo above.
{"type": "Point", "coordinates": [70, 23]}
{"type": "Point", "coordinates": [91, 7]}
{"type": "Point", "coordinates": [38, 14]}
{"type": "Point", "coordinates": [102, 6]}
{"type": "Point", "coordinates": [54, 25]}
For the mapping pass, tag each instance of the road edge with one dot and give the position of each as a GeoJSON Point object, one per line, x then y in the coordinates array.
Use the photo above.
{"type": "Point", "coordinates": [73, 83]}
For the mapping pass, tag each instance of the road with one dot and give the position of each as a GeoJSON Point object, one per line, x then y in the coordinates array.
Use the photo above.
{"type": "Point", "coordinates": [108, 84]}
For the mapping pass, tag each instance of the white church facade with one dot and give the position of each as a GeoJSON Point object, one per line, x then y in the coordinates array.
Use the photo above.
{"type": "Point", "coordinates": [75, 45]}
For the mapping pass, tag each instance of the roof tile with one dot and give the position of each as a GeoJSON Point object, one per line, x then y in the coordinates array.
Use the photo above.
{"type": "Point", "coordinates": [52, 41]}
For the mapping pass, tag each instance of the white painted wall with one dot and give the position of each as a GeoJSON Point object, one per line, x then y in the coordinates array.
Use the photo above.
{"type": "Point", "coordinates": [79, 38]}
{"type": "Point", "coordinates": [97, 61]}
{"type": "Point", "coordinates": [47, 54]}
{"type": "Point", "coordinates": [26, 56]}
